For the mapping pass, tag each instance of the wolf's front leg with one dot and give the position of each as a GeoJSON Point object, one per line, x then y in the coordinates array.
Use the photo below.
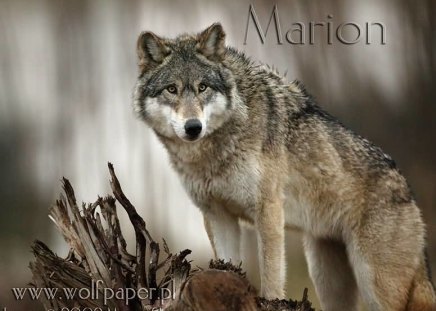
{"type": "Point", "coordinates": [224, 235]}
{"type": "Point", "coordinates": [271, 244]}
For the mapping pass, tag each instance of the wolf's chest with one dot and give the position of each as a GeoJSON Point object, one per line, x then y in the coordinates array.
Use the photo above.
{"type": "Point", "coordinates": [235, 186]}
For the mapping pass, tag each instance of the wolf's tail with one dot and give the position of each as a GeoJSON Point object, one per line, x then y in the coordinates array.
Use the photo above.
{"type": "Point", "coordinates": [422, 296]}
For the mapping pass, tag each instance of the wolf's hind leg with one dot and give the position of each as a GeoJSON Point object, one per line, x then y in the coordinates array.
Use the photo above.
{"type": "Point", "coordinates": [386, 252]}
{"type": "Point", "coordinates": [331, 274]}
{"type": "Point", "coordinates": [385, 271]}
{"type": "Point", "coordinates": [224, 235]}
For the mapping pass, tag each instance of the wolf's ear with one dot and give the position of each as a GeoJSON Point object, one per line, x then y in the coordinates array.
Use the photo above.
{"type": "Point", "coordinates": [211, 42]}
{"type": "Point", "coordinates": [151, 50]}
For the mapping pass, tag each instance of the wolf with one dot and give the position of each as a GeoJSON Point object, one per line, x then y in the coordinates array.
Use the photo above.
{"type": "Point", "coordinates": [250, 146]}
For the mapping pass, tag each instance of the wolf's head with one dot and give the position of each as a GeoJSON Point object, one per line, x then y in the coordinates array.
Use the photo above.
{"type": "Point", "coordinates": [184, 89]}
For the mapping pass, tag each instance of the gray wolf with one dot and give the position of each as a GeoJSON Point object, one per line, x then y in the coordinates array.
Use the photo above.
{"type": "Point", "coordinates": [250, 146]}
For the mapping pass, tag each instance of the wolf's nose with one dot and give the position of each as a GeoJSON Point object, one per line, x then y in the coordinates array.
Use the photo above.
{"type": "Point", "coordinates": [193, 128]}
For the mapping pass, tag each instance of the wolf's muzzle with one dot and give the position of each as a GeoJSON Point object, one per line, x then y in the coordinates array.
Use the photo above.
{"type": "Point", "coordinates": [193, 128]}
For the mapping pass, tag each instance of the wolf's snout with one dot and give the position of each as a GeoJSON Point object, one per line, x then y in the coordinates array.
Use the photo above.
{"type": "Point", "coordinates": [193, 128]}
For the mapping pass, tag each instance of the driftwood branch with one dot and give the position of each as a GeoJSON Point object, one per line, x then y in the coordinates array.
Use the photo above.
{"type": "Point", "coordinates": [99, 272]}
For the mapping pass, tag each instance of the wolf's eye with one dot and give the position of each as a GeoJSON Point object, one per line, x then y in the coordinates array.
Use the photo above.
{"type": "Point", "coordinates": [202, 87]}
{"type": "Point", "coordinates": [172, 89]}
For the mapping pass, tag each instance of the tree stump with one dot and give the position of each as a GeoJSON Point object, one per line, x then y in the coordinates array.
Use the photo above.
{"type": "Point", "coordinates": [100, 274]}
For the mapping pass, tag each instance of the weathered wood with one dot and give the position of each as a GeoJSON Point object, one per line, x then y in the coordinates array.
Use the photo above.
{"type": "Point", "coordinates": [100, 264]}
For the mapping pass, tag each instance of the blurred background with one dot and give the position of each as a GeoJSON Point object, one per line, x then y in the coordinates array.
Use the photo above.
{"type": "Point", "coordinates": [67, 69]}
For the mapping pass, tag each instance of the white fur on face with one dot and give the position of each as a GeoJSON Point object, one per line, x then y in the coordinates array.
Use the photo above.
{"type": "Point", "coordinates": [213, 116]}
{"type": "Point", "coordinates": [159, 116]}
{"type": "Point", "coordinates": [165, 120]}
{"type": "Point", "coordinates": [216, 112]}
{"type": "Point", "coordinates": [178, 124]}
